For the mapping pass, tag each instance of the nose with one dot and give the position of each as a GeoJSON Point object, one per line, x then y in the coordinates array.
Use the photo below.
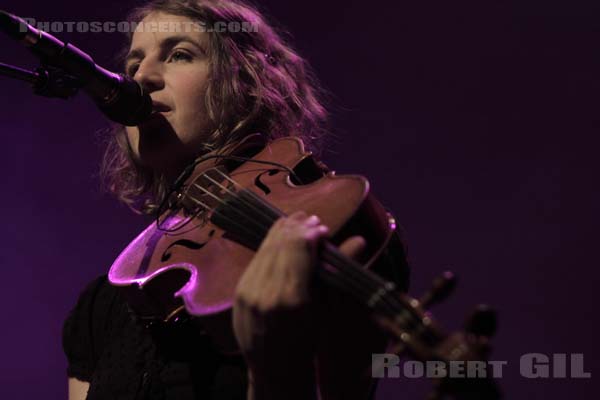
{"type": "Point", "coordinates": [150, 75]}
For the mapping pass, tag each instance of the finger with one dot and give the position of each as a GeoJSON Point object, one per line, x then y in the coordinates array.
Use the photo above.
{"type": "Point", "coordinates": [314, 234]}
{"type": "Point", "coordinates": [313, 220]}
{"type": "Point", "coordinates": [298, 215]}
{"type": "Point", "coordinates": [353, 246]}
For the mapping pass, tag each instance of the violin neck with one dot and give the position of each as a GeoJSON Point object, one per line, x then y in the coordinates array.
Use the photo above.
{"type": "Point", "coordinates": [246, 219]}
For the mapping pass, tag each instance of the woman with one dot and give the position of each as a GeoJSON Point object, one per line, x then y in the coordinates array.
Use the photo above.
{"type": "Point", "coordinates": [209, 90]}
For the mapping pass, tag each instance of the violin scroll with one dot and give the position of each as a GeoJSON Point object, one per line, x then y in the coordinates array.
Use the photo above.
{"type": "Point", "coordinates": [464, 351]}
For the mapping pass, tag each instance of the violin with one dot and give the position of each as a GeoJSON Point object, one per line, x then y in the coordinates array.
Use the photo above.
{"type": "Point", "coordinates": [188, 262]}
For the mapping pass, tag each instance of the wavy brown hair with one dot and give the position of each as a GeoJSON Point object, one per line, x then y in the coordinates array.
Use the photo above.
{"type": "Point", "coordinates": [257, 83]}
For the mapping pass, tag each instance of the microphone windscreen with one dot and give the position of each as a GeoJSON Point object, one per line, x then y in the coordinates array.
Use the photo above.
{"type": "Point", "coordinates": [13, 26]}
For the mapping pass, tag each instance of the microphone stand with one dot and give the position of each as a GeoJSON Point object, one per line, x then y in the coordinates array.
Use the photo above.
{"type": "Point", "coordinates": [47, 80]}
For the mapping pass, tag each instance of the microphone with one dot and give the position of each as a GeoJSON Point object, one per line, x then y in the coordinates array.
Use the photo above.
{"type": "Point", "coordinates": [118, 96]}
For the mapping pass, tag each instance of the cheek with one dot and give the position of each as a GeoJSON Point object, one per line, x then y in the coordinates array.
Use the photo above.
{"type": "Point", "coordinates": [192, 96]}
{"type": "Point", "coordinates": [189, 85]}
{"type": "Point", "coordinates": [193, 118]}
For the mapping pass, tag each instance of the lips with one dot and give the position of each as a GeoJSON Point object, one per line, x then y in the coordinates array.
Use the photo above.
{"type": "Point", "coordinates": [159, 116]}
{"type": "Point", "coordinates": [158, 107]}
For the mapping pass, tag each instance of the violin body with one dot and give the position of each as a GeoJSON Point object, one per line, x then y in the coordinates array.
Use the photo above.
{"type": "Point", "coordinates": [193, 266]}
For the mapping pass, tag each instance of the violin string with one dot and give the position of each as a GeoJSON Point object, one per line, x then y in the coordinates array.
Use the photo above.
{"type": "Point", "coordinates": [250, 233]}
{"type": "Point", "coordinates": [386, 303]}
{"type": "Point", "coordinates": [389, 303]}
{"type": "Point", "coordinates": [334, 257]}
{"type": "Point", "coordinates": [358, 282]}
{"type": "Point", "coordinates": [364, 284]}
{"type": "Point", "coordinates": [199, 160]}
{"type": "Point", "coordinates": [269, 219]}
{"type": "Point", "coordinates": [341, 262]}
{"type": "Point", "coordinates": [334, 262]}
{"type": "Point", "coordinates": [190, 168]}
{"type": "Point", "coordinates": [356, 274]}
{"type": "Point", "coordinates": [276, 214]}
{"type": "Point", "coordinates": [259, 205]}
{"type": "Point", "coordinates": [224, 203]}
{"type": "Point", "coordinates": [388, 299]}
{"type": "Point", "coordinates": [268, 216]}
{"type": "Point", "coordinates": [330, 277]}
{"type": "Point", "coordinates": [358, 290]}
{"type": "Point", "coordinates": [265, 210]}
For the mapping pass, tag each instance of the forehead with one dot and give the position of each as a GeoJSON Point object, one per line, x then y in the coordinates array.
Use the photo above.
{"type": "Point", "coordinates": [157, 27]}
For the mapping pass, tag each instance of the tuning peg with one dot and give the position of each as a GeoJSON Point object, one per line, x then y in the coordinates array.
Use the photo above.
{"type": "Point", "coordinates": [482, 321]}
{"type": "Point", "coordinates": [441, 288]}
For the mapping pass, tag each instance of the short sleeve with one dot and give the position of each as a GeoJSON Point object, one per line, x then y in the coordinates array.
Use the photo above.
{"type": "Point", "coordinates": [85, 328]}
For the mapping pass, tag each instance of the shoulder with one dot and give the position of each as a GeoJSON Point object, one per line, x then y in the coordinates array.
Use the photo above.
{"type": "Point", "coordinates": [85, 328]}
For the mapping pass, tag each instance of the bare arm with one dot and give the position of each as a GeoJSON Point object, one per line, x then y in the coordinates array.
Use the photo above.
{"type": "Point", "coordinates": [78, 389]}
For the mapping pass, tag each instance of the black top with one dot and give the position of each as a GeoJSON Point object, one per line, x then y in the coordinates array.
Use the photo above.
{"type": "Point", "coordinates": [122, 359]}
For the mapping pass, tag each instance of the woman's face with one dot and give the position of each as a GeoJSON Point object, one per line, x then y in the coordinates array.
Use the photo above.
{"type": "Point", "coordinates": [172, 66]}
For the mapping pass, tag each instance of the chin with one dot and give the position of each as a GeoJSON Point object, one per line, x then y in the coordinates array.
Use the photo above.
{"type": "Point", "coordinates": [160, 150]}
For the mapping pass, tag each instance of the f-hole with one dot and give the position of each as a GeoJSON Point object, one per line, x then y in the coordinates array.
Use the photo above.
{"type": "Point", "coordinates": [259, 184]}
{"type": "Point", "coordinates": [185, 243]}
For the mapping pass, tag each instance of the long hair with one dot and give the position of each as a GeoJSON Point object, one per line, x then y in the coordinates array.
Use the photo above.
{"type": "Point", "coordinates": [257, 83]}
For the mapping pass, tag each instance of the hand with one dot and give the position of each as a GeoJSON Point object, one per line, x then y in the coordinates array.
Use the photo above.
{"type": "Point", "coordinates": [270, 311]}
{"type": "Point", "coordinates": [272, 319]}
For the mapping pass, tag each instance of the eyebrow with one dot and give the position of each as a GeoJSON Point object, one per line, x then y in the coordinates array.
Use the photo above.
{"type": "Point", "coordinates": [165, 44]}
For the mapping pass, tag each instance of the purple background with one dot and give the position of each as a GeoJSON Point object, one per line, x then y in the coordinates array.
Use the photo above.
{"type": "Point", "coordinates": [474, 122]}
